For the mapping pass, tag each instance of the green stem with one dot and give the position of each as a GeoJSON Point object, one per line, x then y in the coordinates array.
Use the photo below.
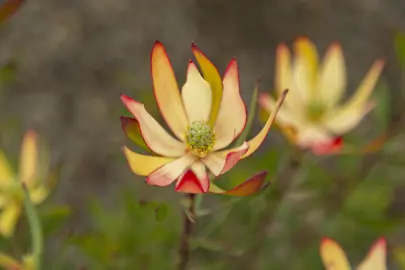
{"type": "Point", "coordinates": [35, 229]}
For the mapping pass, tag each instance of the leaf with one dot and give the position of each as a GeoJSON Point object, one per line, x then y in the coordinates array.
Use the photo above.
{"type": "Point", "coordinates": [399, 44]}
{"type": "Point", "coordinates": [381, 111]}
{"type": "Point", "coordinates": [161, 212]}
{"type": "Point", "coordinates": [53, 217]}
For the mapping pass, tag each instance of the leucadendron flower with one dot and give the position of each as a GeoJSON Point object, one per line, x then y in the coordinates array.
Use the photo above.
{"type": "Point", "coordinates": [314, 116]}
{"type": "Point", "coordinates": [205, 118]}
{"type": "Point", "coordinates": [9, 263]}
{"type": "Point", "coordinates": [334, 258]}
{"type": "Point", "coordinates": [11, 192]}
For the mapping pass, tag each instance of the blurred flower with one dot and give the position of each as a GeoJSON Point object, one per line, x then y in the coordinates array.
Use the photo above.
{"type": "Point", "coordinates": [334, 258]}
{"type": "Point", "coordinates": [313, 116]}
{"type": "Point", "coordinates": [11, 192]}
{"type": "Point", "coordinates": [8, 8]}
{"type": "Point", "coordinates": [206, 117]}
{"type": "Point", "coordinates": [9, 263]}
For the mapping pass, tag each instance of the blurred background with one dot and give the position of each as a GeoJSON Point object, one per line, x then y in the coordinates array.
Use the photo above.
{"type": "Point", "coordinates": [64, 66]}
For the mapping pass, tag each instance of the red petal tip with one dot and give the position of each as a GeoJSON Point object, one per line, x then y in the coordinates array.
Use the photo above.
{"type": "Point", "coordinates": [157, 43]}
{"type": "Point", "coordinates": [326, 240]}
{"type": "Point", "coordinates": [302, 38]}
{"type": "Point", "coordinates": [380, 242]}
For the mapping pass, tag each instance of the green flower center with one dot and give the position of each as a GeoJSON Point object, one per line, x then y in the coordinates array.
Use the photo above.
{"type": "Point", "coordinates": [200, 138]}
{"type": "Point", "coordinates": [315, 111]}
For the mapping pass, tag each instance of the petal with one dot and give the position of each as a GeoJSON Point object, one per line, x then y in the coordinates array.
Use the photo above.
{"type": "Point", "coordinates": [333, 257]}
{"type": "Point", "coordinates": [331, 147]}
{"type": "Point", "coordinates": [255, 142]}
{"type": "Point", "coordinates": [247, 188]}
{"type": "Point", "coordinates": [376, 258]}
{"type": "Point", "coordinates": [332, 77]}
{"type": "Point", "coordinates": [222, 161]}
{"type": "Point", "coordinates": [312, 136]}
{"type": "Point", "coordinates": [166, 91]}
{"type": "Point", "coordinates": [6, 173]}
{"type": "Point", "coordinates": [9, 262]}
{"type": "Point", "coordinates": [144, 165]}
{"type": "Point", "coordinates": [195, 180]}
{"type": "Point", "coordinates": [8, 219]}
{"type": "Point", "coordinates": [211, 75]}
{"type": "Point", "coordinates": [168, 173]}
{"type": "Point", "coordinates": [285, 117]}
{"type": "Point", "coordinates": [131, 128]}
{"type": "Point", "coordinates": [38, 194]}
{"type": "Point", "coordinates": [197, 95]}
{"type": "Point", "coordinates": [284, 80]}
{"type": "Point", "coordinates": [305, 68]}
{"type": "Point", "coordinates": [29, 158]}
{"type": "Point", "coordinates": [349, 115]}
{"type": "Point", "coordinates": [156, 138]}
{"type": "Point", "coordinates": [8, 8]}
{"type": "Point", "coordinates": [232, 114]}
{"type": "Point", "coordinates": [342, 121]}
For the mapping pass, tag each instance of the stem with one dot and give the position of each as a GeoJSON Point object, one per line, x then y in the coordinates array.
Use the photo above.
{"type": "Point", "coordinates": [35, 229]}
{"type": "Point", "coordinates": [274, 199]}
{"type": "Point", "coordinates": [184, 251]}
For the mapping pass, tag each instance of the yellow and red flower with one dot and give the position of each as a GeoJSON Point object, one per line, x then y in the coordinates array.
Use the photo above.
{"type": "Point", "coordinates": [205, 118]}
{"type": "Point", "coordinates": [11, 192]}
{"type": "Point", "coordinates": [313, 116]}
{"type": "Point", "coordinates": [334, 258]}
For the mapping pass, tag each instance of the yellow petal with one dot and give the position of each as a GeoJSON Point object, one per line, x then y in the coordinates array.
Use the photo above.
{"type": "Point", "coordinates": [305, 68]}
{"type": "Point", "coordinates": [255, 142]}
{"type": "Point", "coordinates": [376, 259]}
{"type": "Point", "coordinates": [29, 158]}
{"type": "Point", "coordinates": [142, 164]}
{"type": "Point", "coordinates": [6, 173]}
{"type": "Point", "coordinates": [284, 117]}
{"type": "Point", "coordinates": [247, 188]}
{"type": "Point", "coordinates": [346, 117]}
{"type": "Point", "coordinates": [8, 219]}
{"type": "Point", "coordinates": [167, 93]}
{"type": "Point", "coordinates": [211, 75]}
{"type": "Point", "coordinates": [197, 95]}
{"type": "Point", "coordinates": [332, 77]}
{"type": "Point", "coordinates": [342, 121]}
{"type": "Point", "coordinates": [232, 114]}
{"type": "Point", "coordinates": [168, 173]}
{"type": "Point", "coordinates": [333, 257]}
{"type": "Point", "coordinates": [366, 87]}
{"type": "Point", "coordinates": [38, 194]}
{"type": "Point", "coordinates": [284, 80]}
{"type": "Point", "coordinates": [9, 262]}
{"type": "Point", "coordinates": [156, 138]}
{"type": "Point", "coordinates": [222, 161]}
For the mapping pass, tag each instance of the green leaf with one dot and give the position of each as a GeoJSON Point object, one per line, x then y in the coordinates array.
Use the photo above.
{"type": "Point", "coordinates": [251, 116]}
{"type": "Point", "coordinates": [53, 217]}
{"type": "Point", "coordinates": [161, 212]}
{"type": "Point", "coordinates": [399, 44]}
{"type": "Point", "coordinates": [381, 111]}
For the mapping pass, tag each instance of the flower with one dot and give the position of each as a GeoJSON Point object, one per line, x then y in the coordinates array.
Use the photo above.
{"type": "Point", "coordinates": [9, 263]}
{"type": "Point", "coordinates": [205, 118]}
{"type": "Point", "coordinates": [11, 192]}
{"type": "Point", "coordinates": [313, 116]}
{"type": "Point", "coordinates": [8, 8]}
{"type": "Point", "coordinates": [334, 258]}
